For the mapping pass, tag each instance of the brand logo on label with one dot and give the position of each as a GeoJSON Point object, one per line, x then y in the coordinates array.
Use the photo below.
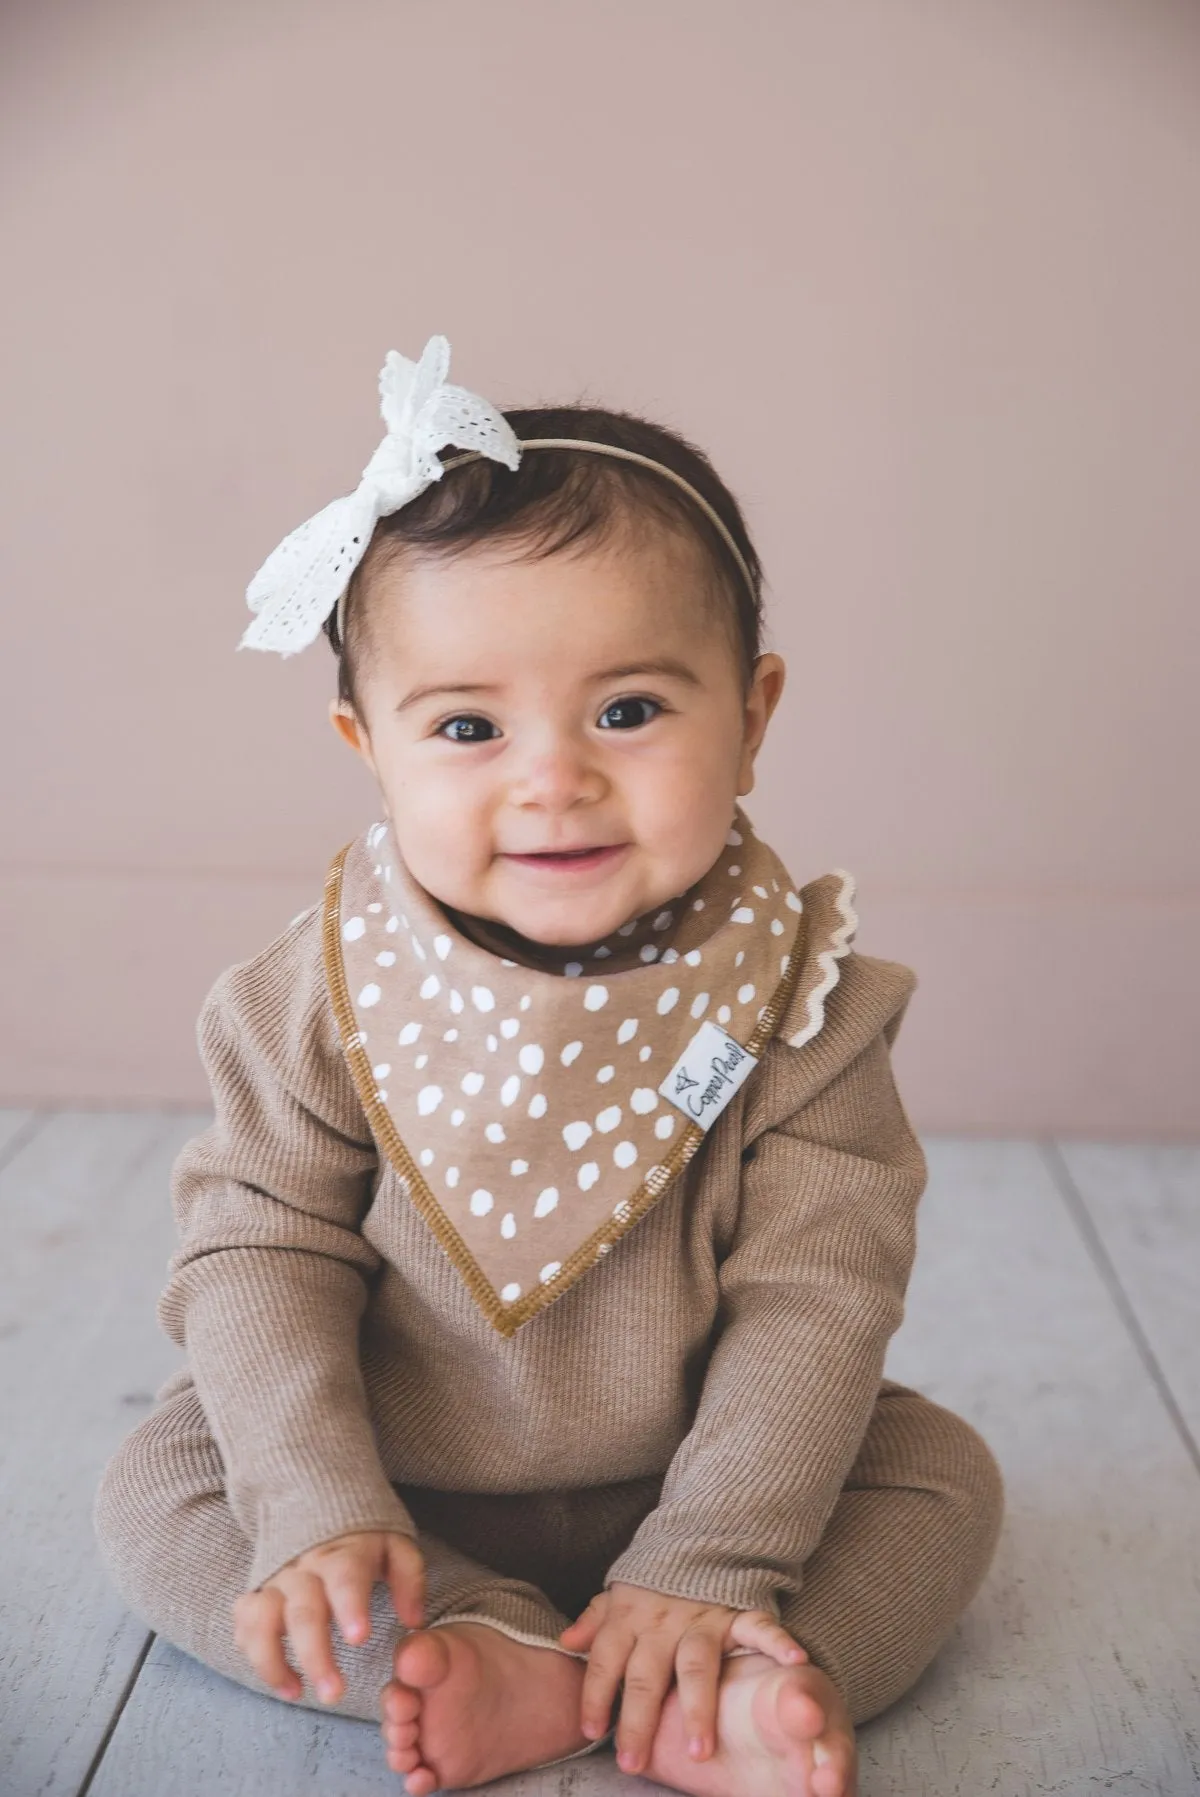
{"type": "Point", "coordinates": [707, 1074]}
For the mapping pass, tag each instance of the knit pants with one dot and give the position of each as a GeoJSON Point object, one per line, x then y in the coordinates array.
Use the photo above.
{"type": "Point", "coordinates": [905, 1550]}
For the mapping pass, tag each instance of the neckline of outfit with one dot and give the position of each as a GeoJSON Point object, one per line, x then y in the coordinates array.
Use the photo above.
{"type": "Point", "coordinates": [638, 942]}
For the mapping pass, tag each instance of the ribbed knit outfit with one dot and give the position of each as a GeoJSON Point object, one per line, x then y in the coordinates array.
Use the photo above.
{"type": "Point", "coordinates": [452, 1264]}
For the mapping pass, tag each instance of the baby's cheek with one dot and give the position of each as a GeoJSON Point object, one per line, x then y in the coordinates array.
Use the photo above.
{"type": "Point", "coordinates": [443, 846]}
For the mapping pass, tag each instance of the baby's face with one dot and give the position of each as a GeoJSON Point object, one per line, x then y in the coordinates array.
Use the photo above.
{"type": "Point", "coordinates": [559, 743]}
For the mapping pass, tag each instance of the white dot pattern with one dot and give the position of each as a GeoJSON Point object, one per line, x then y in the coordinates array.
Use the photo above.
{"type": "Point", "coordinates": [466, 1104]}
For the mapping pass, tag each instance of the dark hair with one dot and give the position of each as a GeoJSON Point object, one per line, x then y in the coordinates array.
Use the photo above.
{"type": "Point", "coordinates": [558, 497]}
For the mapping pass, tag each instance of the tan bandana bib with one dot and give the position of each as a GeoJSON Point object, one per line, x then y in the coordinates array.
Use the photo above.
{"type": "Point", "coordinates": [535, 1115]}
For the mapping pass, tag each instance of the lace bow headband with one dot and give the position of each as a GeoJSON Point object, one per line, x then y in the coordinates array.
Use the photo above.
{"type": "Point", "coordinates": [307, 575]}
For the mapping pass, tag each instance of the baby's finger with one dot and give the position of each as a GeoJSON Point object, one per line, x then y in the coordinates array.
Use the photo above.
{"type": "Point", "coordinates": [406, 1580]}
{"type": "Point", "coordinates": [579, 1635]}
{"type": "Point", "coordinates": [606, 1664]}
{"type": "Point", "coordinates": [258, 1634]}
{"type": "Point", "coordinates": [758, 1629]}
{"type": "Point", "coordinates": [348, 1584]}
{"type": "Point", "coordinates": [306, 1616]}
{"type": "Point", "coordinates": [647, 1681]}
{"type": "Point", "coordinates": [698, 1676]}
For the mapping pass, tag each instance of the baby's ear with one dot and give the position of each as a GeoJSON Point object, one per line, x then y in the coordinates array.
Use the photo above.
{"type": "Point", "coordinates": [344, 721]}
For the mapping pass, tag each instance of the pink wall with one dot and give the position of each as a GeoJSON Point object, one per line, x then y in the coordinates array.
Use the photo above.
{"type": "Point", "coordinates": [925, 278]}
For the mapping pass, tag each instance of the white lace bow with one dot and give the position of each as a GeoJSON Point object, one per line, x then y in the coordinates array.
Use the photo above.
{"type": "Point", "coordinates": [302, 580]}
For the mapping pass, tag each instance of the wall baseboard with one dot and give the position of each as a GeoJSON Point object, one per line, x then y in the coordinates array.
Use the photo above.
{"type": "Point", "coordinates": [1069, 1016]}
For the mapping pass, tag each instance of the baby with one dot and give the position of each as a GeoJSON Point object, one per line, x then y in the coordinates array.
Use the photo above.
{"type": "Point", "coordinates": [542, 1256]}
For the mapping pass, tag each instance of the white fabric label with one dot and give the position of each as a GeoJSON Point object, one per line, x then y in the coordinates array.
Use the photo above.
{"type": "Point", "coordinates": [707, 1074]}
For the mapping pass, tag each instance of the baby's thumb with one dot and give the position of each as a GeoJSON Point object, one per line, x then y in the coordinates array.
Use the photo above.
{"type": "Point", "coordinates": [406, 1580]}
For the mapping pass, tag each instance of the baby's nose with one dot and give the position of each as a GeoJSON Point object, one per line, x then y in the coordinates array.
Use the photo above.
{"type": "Point", "coordinates": [557, 776]}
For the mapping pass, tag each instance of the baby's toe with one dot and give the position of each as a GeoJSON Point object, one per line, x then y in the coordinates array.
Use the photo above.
{"type": "Point", "coordinates": [403, 1759]}
{"type": "Point", "coordinates": [399, 1703]}
{"type": "Point", "coordinates": [422, 1659]}
{"type": "Point", "coordinates": [420, 1782]}
{"type": "Point", "coordinates": [833, 1766]}
{"type": "Point", "coordinates": [401, 1734]}
{"type": "Point", "coordinates": [801, 1712]}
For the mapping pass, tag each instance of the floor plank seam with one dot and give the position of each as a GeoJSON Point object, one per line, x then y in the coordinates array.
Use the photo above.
{"type": "Point", "coordinates": [1080, 1215]}
{"type": "Point", "coordinates": [23, 1137]}
{"type": "Point", "coordinates": [118, 1712]}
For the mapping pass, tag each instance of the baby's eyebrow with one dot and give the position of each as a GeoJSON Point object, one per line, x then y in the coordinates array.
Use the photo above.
{"type": "Point", "coordinates": [665, 665]}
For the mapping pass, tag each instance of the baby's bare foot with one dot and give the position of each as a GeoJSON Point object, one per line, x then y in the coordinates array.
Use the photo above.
{"type": "Point", "coordinates": [469, 1704]}
{"type": "Point", "coordinates": [782, 1731]}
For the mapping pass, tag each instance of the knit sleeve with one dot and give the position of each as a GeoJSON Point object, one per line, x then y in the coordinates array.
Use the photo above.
{"type": "Point", "coordinates": [269, 1283]}
{"type": "Point", "coordinates": [811, 1290]}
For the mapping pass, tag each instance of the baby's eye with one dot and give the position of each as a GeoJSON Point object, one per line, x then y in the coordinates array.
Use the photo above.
{"type": "Point", "coordinates": [629, 714]}
{"type": "Point", "coordinates": [468, 730]}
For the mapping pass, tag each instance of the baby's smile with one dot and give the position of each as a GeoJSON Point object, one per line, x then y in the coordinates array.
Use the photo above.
{"type": "Point", "coordinates": [569, 863]}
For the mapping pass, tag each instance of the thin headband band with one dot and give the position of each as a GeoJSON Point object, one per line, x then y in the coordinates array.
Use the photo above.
{"type": "Point", "coordinates": [624, 455]}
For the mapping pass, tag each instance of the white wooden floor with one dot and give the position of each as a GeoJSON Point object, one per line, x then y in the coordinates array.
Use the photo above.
{"type": "Point", "coordinates": [1056, 1305]}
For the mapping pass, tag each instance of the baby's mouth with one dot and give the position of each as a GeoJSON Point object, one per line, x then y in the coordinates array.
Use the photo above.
{"type": "Point", "coordinates": [571, 860]}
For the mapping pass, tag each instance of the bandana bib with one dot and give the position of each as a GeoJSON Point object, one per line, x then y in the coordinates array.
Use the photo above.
{"type": "Point", "coordinates": [535, 1115]}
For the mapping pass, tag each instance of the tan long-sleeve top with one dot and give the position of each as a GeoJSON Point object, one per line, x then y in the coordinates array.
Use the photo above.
{"type": "Point", "coordinates": [733, 1340]}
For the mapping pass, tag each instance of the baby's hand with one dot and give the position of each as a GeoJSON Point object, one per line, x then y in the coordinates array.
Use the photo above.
{"type": "Point", "coordinates": [645, 1637]}
{"type": "Point", "coordinates": [334, 1577]}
